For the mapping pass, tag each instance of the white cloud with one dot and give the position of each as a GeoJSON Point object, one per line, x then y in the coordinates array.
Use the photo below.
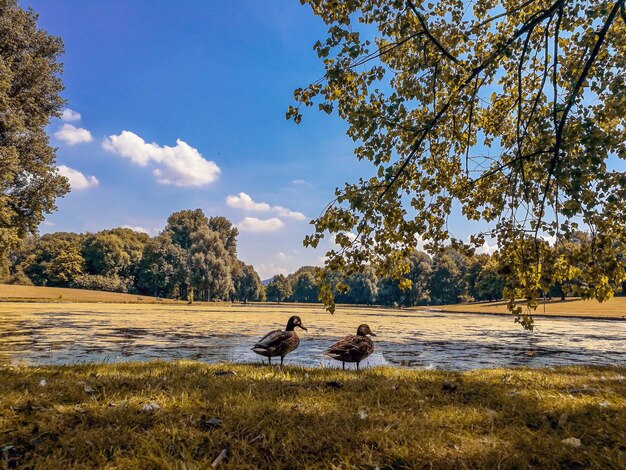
{"type": "Point", "coordinates": [244, 202]}
{"type": "Point", "coordinates": [77, 180]}
{"type": "Point", "coordinates": [301, 182]}
{"type": "Point", "coordinates": [282, 256]}
{"type": "Point", "coordinates": [69, 115]}
{"type": "Point", "coordinates": [137, 229]}
{"type": "Point", "coordinates": [73, 135]}
{"type": "Point", "coordinates": [269, 270]}
{"type": "Point", "coordinates": [181, 165]}
{"type": "Point", "coordinates": [252, 224]}
{"type": "Point", "coordinates": [282, 211]}
{"type": "Point", "coordinates": [487, 249]}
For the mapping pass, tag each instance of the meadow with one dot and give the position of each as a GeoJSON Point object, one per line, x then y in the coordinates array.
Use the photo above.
{"type": "Point", "coordinates": [183, 415]}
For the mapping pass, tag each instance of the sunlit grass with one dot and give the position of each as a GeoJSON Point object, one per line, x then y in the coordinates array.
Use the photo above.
{"type": "Point", "coordinates": [164, 415]}
{"type": "Point", "coordinates": [614, 308]}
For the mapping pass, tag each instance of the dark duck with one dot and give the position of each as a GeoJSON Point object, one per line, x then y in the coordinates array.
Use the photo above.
{"type": "Point", "coordinates": [353, 348]}
{"type": "Point", "coordinates": [278, 342]}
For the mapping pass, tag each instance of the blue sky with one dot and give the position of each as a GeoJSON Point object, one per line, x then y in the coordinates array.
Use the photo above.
{"type": "Point", "coordinates": [179, 105]}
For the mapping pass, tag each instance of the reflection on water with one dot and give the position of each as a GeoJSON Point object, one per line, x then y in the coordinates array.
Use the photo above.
{"type": "Point", "coordinates": [76, 333]}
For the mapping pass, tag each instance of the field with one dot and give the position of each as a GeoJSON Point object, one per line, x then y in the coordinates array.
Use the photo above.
{"type": "Point", "coordinates": [614, 308]}
{"type": "Point", "coordinates": [184, 414]}
{"type": "Point", "coordinates": [14, 293]}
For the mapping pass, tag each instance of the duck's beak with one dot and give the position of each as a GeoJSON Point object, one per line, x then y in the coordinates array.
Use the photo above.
{"type": "Point", "coordinates": [372, 333]}
{"type": "Point", "coordinates": [303, 327]}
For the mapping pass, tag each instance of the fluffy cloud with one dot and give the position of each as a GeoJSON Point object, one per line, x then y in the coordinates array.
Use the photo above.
{"type": "Point", "coordinates": [73, 135]}
{"type": "Point", "coordinates": [488, 249]}
{"type": "Point", "coordinates": [69, 115]}
{"type": "Point", "coordinates": [244, 202]}
{"type": "Point", "coordinates": [137, 229]}
{"type": "Point", "coordinates": [269, 270]}
{"type": "Point", "coordinates": [252, 224]}
{"type": "Point", "coordinates": [181, 165]}
{"type": "Point", "coordinates": [282, 256]}
{"type": "Point", "coordinates": [77, 180]}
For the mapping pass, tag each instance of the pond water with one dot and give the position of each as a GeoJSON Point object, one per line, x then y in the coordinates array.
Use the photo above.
{"type": "Point", "coordinates": [39, 334]}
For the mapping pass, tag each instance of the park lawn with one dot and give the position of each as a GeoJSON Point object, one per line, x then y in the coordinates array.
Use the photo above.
{"type": "Point", "coordinates": [14, 293]}
{"type": "Point", "coordinates": [184, 414]}
{"type": "Point", "coordinates": [614, 308]}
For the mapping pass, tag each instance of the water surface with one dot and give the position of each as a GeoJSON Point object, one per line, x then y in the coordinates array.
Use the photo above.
{"type": "Point", "coordinates": [39, 334]}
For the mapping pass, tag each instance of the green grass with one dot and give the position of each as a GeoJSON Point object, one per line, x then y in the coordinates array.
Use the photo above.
{"type": "Point", "coordinates": [93, 416]}
{"type": "Point", "coordinates": [614, 308]}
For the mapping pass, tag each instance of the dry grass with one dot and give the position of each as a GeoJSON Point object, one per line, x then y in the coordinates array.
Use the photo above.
{"type": "Point", "coordinates": [11, 293]}
{"type": "Point", "coordinates": [105, 416]}
{"type": "Point", "coordinates": [614, 308]}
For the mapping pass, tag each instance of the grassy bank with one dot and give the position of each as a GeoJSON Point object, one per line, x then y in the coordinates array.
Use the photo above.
{"type": "Point", "coordinates": [184, 414]}
{"type": "Point", "coordinates": [12, 293]}
{"type": "Point", "coordinates": [613, 309]}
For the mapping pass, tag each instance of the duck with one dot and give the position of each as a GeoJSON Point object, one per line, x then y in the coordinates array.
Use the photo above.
{"type": "Point", "coordinates": [353, 348]}
{"type": "Point", "coordinates": [280, 343]}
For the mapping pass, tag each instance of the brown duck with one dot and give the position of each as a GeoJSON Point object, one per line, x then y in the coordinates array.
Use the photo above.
{"type": "Point", "coordinates": [353, 348]}
{"type": "Point", "coordinates": [280, 343]}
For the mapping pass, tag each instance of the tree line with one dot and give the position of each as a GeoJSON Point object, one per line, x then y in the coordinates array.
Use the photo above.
{"type": "Point", "coordinates": [193, 257]}
{"type": "Point", "coordinates": [448, 278]}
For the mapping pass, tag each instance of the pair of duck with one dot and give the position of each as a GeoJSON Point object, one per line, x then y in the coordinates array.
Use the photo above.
{"type": "Point", "coordinates": [352, 348]}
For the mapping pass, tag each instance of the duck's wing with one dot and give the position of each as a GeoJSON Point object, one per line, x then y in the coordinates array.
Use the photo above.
{"type": "Point", "coordinates": [272, 339]}
{"type": "Point", "coordinates": [348, 346]}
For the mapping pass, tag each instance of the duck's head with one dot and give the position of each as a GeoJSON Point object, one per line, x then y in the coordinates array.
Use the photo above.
{"type": "Point", "coordinates": [364, 330]}
{"type": "Point", "coordinates": [293, 322]}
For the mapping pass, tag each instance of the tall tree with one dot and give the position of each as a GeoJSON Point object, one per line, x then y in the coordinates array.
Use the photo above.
{"type": "Point", "coordinates": [304, 288]}
{"type": "Point", "coordinates": [446, 282]}
{"type": "Point", "coordinates": [29, 96]}
{"type": "Point", "coordinates": [209, 264]}
{"type": "Point", "coordinates": [163, 267]}
{"type": "Point", "coordinates": [227, 231]}
{"type": "Point", "coordinates": [53, 260]}
{"type": "Point", "coordinates": [247, 283]}
{"type": "Point", "coordinates": [278, 289]}
{"type": "Point", "coordinates": [183, 224]}
{"type": "Point", "coordinates": [512, 111]}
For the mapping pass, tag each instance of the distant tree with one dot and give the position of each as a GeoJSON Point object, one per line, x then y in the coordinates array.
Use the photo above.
{"type": "Point", "coordinates": [363, 288]}
{"type": "Point", "coordinates": [30, 87]}
{"type": "Point", "coordinates": [489, 284]}
{"type": "Point", "coordinates": [105, 255]}
{"type": "Point", "coordinates": [227, 231]}
{"type": "Point", "coordinates": [163, 267]}
{"type": "Point", "coordinates": [475, 265]}
{"type": "Point", "coordinates": [420, 271]}
{"type": "Point", "coordinates": [183, 224]}
{"type": "Point", "coordinates": [304, 288]}
{"type": "Point", "coordinates": [209, 264]}
{"type": "Point", "coordinates": [105, 283]}
{"type": "Point", "coordinates": [247, 283]}
{"type": "Point", "coordinates": [52, 260]}
{"type": "Point", "coordinates": [389, 292]}
{"type": "Point", "coordinates": [278, 289]}
{"type": "Point", "coordinates": [446, 283]}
